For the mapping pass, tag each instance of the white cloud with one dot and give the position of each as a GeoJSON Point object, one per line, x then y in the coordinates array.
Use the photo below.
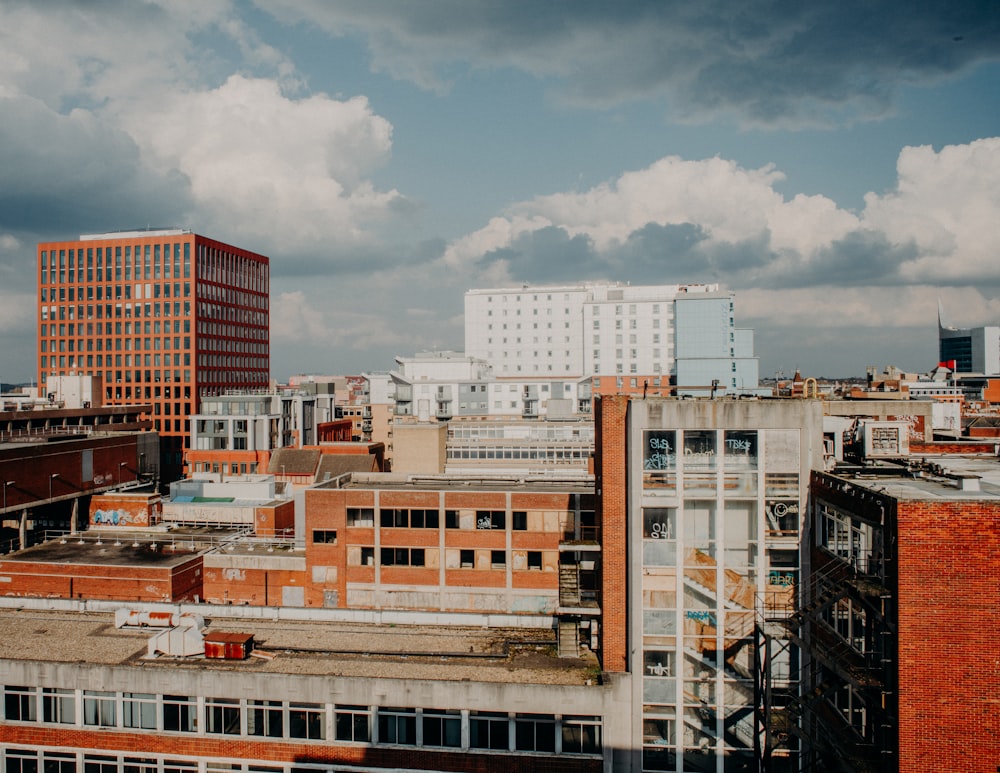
{"type": "Point", "coordinates": [247, 157]}
{"type": "Point", "coordinates": [288, 172]}
{"type": "Point", "coordinates": [294, 318]}
{"type": "Point", "coordinates": [948, 204]}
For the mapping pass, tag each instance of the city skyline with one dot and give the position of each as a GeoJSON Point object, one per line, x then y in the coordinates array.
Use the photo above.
{"type": "Point", "coordinates": [835, 166]}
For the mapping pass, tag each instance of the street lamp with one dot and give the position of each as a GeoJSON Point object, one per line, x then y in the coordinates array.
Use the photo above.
{"type": "Point", "coordinates": [52, 477]}
{"type": "Point", "coordinates": [6, 483]}
{"type": "Point", "coordinates": [120, 465]}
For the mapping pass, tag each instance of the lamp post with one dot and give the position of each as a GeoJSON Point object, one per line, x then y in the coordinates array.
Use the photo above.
{"type": "Point", "coordinates": [52, 477]}
{"type": "Point", "coordinates": [6, 483]}
{"type": "Point", "coordinates": [120, 465]}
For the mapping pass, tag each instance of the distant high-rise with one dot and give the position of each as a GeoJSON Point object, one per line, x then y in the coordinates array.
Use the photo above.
{"type": "Point", "coordinates": [684, 332]}
{"type": "Point", "coordinates": [973, 350]}
{"type": "Point", "coordinates": [160, 317]}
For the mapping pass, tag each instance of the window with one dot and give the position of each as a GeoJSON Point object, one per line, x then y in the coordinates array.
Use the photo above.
{"type": "Point", "coordinates": [467, 559]}
{"type": "Point", "coordinates": [397, 726]}
{"type": "Point", "coordinates": [265, 718]}
{"type": "Point", "coordinates": [520, 520]}
{"type": "Point", "coordinates": [498, 559]}
{"type": "Point", "coordinates": [353, 723]}
{"type": "Point", "coordinates": [581, 735]}
{"type": "Point", "coordinates": [58, 705]}
{"type": "Point", "coordinates": [307, 720]}
{"type": "Point", "coordinates": [414, 519]}
{"type": "Point", "coordinates": [324, 537]}
{"type": "Point", "coordinates": [442, 728]}
{"type": "Point", "coordinates": [179, 713]}
{"type": "Point", "coordinates": [490, 519]}
{"type": "Point", "coordinates": [20, 704]}
{"type": "Point", "coordinates": [402, 556]}
{"type": "Point", "coordinates": [56, 762]}
{"type": "Point", "coordinates": [535, 559]}
{"type": "Point", "coordinates": [222, 716]}
{"type": "Point", "coordinates": [534, 733]}
{"type": "Point", "coordinates": [99, 708]}
{"type": "Point", "coordinates": [489, 730]}
{"type": "Point", "coordinates": [139, 710]}
{"type": "Point", "coordinates": [95, 763]}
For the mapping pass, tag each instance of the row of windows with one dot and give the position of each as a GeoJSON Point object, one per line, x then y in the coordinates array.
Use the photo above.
{"type": "Point", "coordinates": [444, 728]}
{"type": "Point", "coordinates": [540, 454]}
{"type": "Point", "coordinates": [364, 517]}
{"type": "Point", "coordinates": [111, 311]}
{"type": "Point", "coordinates": [462, 558]}
{"type": "Point", "coordinates": [121, 292]}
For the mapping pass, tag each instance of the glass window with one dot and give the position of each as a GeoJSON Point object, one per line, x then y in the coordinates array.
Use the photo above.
{"type": "Point", "coordinates": [20, 704]}
{"type": "Point", "coordinates": [58, 762]}
{"type": "Point", "coordinates": [99, 708]}
{"type": "Point", "coordinates": [700, 449]}
{"type": "Point", "coordinates": [489, 730]}
{"type": "Point", "coordinates": [307, 720]}
{"type": "Point", "coordinates": [535, 733]}
{"type": "Point", "coordinates": [222, 716]}
{"type": "Point", "coordinates": [58, 705]}
{"type": "Point", "coordinates": [139, 710]}
{"type": "Point", "coordinates": [353, 723]}
{"type": "Point", "coordinates": [659, 459]}
{"type": "Point", "coordinates": [397, 726]}
{"type": "Point", "coordinates": [265, 718]}
{"type": "Point", "coordinates": [581, 735]}
{"type": "Point", "coordinates": [442, 728]}
{"type": "Point", "coordinates": [179, 713]}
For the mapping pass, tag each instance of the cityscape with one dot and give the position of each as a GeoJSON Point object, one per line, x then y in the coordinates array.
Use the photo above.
{"type": "Point", "coordinates": [400, 443]}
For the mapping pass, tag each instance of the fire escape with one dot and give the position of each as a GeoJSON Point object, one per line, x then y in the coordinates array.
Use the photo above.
{"type": "Point", "coordinates": [839, 716]}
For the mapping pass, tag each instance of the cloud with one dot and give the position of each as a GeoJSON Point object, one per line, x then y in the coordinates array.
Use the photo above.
{"type": "Point", "coordinates": [762, 62]}
{"type": "Point", "coordinates": [127, 114]}
{"type": "Point", "coordinates": [792, 261]}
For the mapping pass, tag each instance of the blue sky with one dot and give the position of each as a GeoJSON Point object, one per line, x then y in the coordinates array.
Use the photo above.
{"type": "Point", "coordinates": [836, 165]}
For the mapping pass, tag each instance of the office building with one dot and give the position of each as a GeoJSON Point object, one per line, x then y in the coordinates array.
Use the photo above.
{"type": "Point", "coordinates": [969, 350]}
{"type": "Point", "coordinates": [686, 333]}
{"type": "Point", "coordinates": [162, 317]}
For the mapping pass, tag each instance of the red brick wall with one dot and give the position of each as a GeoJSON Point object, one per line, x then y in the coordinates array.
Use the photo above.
{"type": "Point", "coordinates": [949, 656]}
{"type": "Point", "coordinates": [147, 583]}
{"type": "Point", "coordinates": [612, 486]}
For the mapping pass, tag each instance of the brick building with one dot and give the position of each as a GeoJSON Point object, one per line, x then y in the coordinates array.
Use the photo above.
{"type": "Point", "coordinates": [162, 317]}
{"type": "Point", "coordinates": [899, 619]}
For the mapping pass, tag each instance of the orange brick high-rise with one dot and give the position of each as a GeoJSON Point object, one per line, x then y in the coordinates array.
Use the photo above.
{"type": "Point", "coordinates": [160, 317]}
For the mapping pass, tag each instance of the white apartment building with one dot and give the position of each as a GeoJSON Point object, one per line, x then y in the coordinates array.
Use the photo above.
{"type": "Point", "coordinates": [575, 331]}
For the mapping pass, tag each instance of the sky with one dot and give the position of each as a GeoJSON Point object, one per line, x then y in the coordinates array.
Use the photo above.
{"type": "Point", "coordinates": [835, 164]}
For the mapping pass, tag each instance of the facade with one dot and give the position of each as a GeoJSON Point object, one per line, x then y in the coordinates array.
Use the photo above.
{"type": "Point", "coordinates": [244, 428]}
{"type": "Point", "coordinates": [682, 331]}
{"type": "Point", "coordinates": [898, 619]}
{"type": "Point", "coordinates": [80, 694]}
{"type": "Point", "coordinates": [972, 350]}
{"type": "Point", "coordinates": [163, 317]}
{"type": "Point", "coordinates": [702, 506]}
{"type": "Point", "coordinates": [520, 447]}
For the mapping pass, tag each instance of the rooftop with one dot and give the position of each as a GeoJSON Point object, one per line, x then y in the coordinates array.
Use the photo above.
{"type": "Point", "coordinates": [305, 647]}
{"type": "Point", "coordinates": [946, 479]}
{"type": "Point", "coordinates": [521, 484]}
{"type": "Point", "coordinates": [116, 547]}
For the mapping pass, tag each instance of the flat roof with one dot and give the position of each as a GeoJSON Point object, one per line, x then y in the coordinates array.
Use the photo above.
{"type": "Point", "coordinates": [527, 483]}
{"type": "Point", "coordinates": [118, 547]}
{"type": "Point", "coordinates": [325, 648]}
{"type": "Point", "coordinates": [937, 478]}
